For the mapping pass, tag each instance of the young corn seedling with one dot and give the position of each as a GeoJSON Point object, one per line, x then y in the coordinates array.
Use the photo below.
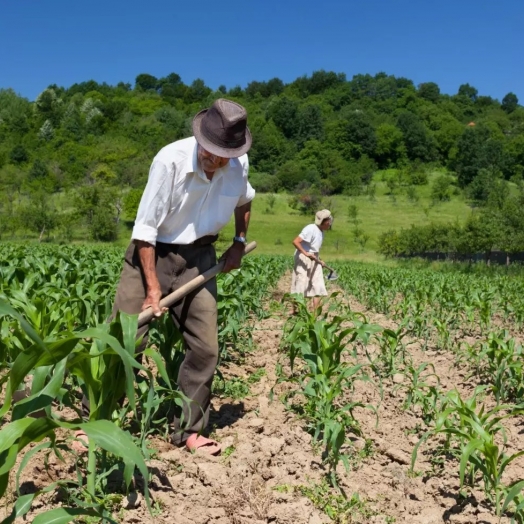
{"type": "Point", "coordinates": [471, 432]}
{"type": "Point", "coordinates": [392, 354]}
{"type": "Point", "coordinates": [325, 379]}
{"type": "Point", "coordinates": [499, 363]}
{"type": "Point", "coordinates": [422, 390]}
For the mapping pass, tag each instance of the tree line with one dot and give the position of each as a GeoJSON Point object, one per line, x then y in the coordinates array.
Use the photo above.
{"type": "Point", "coordinates": [498, 225]}
{"type": "Point", "coordinates": [321, 134]}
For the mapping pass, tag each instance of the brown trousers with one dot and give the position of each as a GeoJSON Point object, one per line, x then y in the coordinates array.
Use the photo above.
{"type": "Point", "coordinates": [195, 316]}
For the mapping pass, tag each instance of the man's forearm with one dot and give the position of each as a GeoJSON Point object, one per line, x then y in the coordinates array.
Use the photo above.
{"type": "Point", "coordinates": [146, 254]}
{"type": "Point", "coordinates": [242, 216]}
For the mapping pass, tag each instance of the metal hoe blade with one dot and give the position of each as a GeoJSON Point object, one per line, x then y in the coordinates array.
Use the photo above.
{"type": "Point", "coordinates": [332, 275]}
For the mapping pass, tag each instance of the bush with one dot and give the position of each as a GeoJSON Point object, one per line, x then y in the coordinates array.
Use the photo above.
{"type": "Point", "coordinates": [264, 182]}
{"type": "Point", "coordinates": [307, 202]}
{"type": "Point", "coordinates": [441, 190]}
{"type": "Point", "coordinates": [103, 225]}
{"type": "Point", "coordinates": [131, 202]}
{"type": "Point", "coordinates": [388, 243]}
{"type": "Point", "coordinates": [418, 177]}
{"type": "Point", "coordinates": [442, 238]}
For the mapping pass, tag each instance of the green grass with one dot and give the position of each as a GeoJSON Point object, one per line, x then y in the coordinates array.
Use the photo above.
{"type": "Point", "coordinates": [274, 232]}
{"type": "Point", "coordinates": [274, 229]}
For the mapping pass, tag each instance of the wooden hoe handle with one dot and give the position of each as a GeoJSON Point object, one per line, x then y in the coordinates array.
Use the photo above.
{"type": "Point", "coordinates": [147, 315]}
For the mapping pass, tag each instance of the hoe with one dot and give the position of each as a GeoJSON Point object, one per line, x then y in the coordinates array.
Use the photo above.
{"type": "Point", "coordinates": [332, 273]}
{"type": "Point", "coordinates": [147, 315]}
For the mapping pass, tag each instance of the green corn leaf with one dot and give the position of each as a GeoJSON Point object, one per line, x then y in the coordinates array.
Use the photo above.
{"type": "Point", "coordinates": [6, 309]}
{"type": "Point", "coordinates": [128, 361]}
{"type": "Point", "coordinates": [43, 398]}
{"type": "Point", "coordinates": [159, 362]}
{"type": "Point", "coordinates": [116, 441]}
{"type": "Point", "coordinates": [516, 488]}
{"type": "Point", "coordinates": [472, 446]}
{"type": "Point", "coordinates": [129, 325]}
{"type": "Point", "coordinates": [508, 460]}
{"type": "Point", "coordinates": [63, 515]}
{"type": "Point", "coordinates": [8, 460]}
{"type": "Point", "coordinates": [31, 358]}
{"type": "Point", "coordinates": [20, 508]}
{"type": "Point", "coordinates": [36, 431]}
{"type": "Point", "coordinates": [12, 432]}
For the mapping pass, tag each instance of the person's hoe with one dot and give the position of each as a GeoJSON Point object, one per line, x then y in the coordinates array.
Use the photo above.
{"type": "Point", "coordinates": [147, 315]}
{"type": "Point", "coordinates": [332, 273]}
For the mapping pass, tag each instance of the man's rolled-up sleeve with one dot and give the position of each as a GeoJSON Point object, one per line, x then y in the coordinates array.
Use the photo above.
{"type": "Point", "coordinates": [249, 192]}
{"type": "Point", "coordinates": [154, 204]}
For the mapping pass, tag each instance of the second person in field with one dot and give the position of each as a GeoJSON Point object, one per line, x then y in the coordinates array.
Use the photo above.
{"type": "Point", "coordinates": [307, 278]}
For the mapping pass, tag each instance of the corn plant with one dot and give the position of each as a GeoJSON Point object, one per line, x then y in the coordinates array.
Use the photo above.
{"type": "Point", "coordinates": [420, 391]}
{"type": "Point", "coordinates": [325, 379]}
{"type": "Point", "coordinates": [392, 354]}
{"type": "Point", "coordinates": [102, 359]}
{"type": "Point", "coordinates": [498, 362]}
{"type": "Point", "coordinates": [471, 432]}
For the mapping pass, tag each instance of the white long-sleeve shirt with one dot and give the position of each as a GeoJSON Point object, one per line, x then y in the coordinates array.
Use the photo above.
{"type": "Point", "coordinates": [180, 205]}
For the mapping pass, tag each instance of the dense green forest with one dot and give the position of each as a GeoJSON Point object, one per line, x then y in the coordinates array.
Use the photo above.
{"type": "Point", "coordinates": [80, 156]}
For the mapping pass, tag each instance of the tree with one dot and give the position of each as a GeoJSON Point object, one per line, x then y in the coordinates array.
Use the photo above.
{"type": "Point", "coordinates": [468, 92]}
{"type": "Point", "coordinates": [47, 131]}
{"type": "Point", "coordinates": [476, 150]}
{"type": "Point", "coordinates": [131, 202]}
{"type": "Point", "coordinates": [290, 175]}
{"type": "Point", "coordinates": [15, 112]}
{"type": "Point", "coordinates": [104, 226]}
{"type": "Point", "coordinates": [429, 91]}
{"type": "Point", "coordinates": [38, 170]}
{"type": "Point", "coordinates": [270, 148]}
{"type": "Point", "coordinates": [353, 135]}
{"type": "Point", "coordinates": [48, 106]}
{"type": "Point", "coordinates": [510, 102]}
{"type": "Point", "coordinates": [146, 82]}
{"type": "Point", "coordinates": [418, 142]}
{"type": "Point", "coordinates": [19, 154]}
{"type": "Point", "coordinates": [275, 86]}
{"type": "Point", "coordinates": [481, 233]}
{"type": "Point", "coordinates": [197, 91]}
{"type": "Point", "coordinates": [319, 82]}
{"type": "Point", "coordinates": [310, 124]}
{"type": "Point", "coordinates": [390, 149]}
{"type": "Point", "coordinates": [441, 190]}
{"type": "Point", "coordinates": [512, 224]}
{"type": "Point", "coordinates": [72, 121]}
{"type": "Point", "coordinates": [39, 215]}
{"type": "Point", "coordinates": [283, 111]}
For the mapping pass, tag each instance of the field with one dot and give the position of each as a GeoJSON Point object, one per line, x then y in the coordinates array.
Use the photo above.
{"type": "Point", "coordinates": [399, 402]}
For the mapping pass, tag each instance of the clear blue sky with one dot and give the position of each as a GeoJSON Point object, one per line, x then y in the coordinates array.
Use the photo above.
{"type": "Point", "coordinates": [449, 42]}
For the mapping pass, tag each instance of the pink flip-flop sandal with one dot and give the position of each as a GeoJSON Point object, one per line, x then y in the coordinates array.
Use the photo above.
{"type": "Point", "coordinates": [196, 441]}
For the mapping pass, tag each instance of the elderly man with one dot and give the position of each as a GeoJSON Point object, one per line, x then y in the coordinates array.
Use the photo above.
{"type": "Point", "coordinates": [195, 185]}
{"type": "Point", "coordinates": [307, 278]}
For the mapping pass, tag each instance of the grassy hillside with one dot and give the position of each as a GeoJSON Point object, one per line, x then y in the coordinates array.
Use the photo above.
{"type": "Point", "coordinates": [274, 229]}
